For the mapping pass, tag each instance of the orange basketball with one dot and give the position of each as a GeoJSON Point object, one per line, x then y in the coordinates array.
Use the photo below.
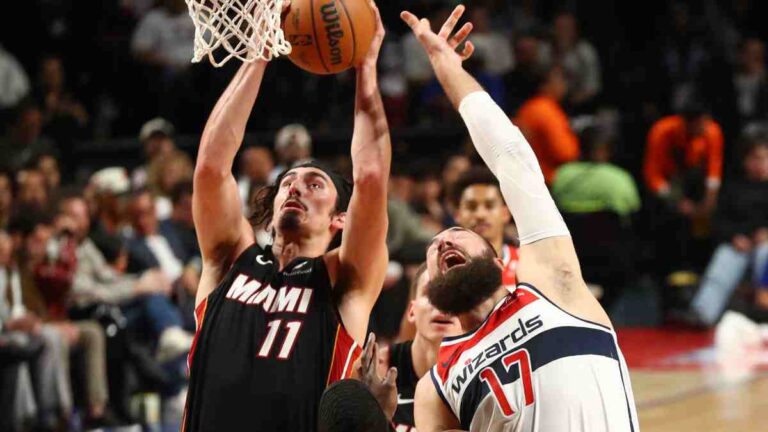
{"type": "Point", "coordinates": [329, 36]}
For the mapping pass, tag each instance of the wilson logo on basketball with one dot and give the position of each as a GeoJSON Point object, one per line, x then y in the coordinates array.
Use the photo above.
{"type": "Point", "coordinates": [332, 30]}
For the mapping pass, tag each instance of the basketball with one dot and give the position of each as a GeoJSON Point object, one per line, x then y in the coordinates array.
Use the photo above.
{"type": "Point", "coordinates": [329, 36]}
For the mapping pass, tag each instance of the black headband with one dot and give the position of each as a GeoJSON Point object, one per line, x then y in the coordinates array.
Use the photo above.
{"type": "Point", "coordinates": [342, 185]}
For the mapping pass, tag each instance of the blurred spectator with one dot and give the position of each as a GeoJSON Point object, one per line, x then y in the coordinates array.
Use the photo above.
{"type": "Point", "coordinates": [597, 200]}
{"type": "Point", "coordinates": [24, 141]}
{"type": "Point", "coordinates": [416, 64]}
{"type": "Point", "coordinates": [47, 273]}
{"type": "Point", "coordinates": [545, 124]}
{"type": "Point", "coordinates": [14, 81]}
{"type": "Point", "coordinates": [110, 188]}
{"type": "Point", "coordinates": [256, 164]}
{"type": "Point", "coordinates": [745, 91]}
{"type": "Point", "coordinates": [164, 174]}
{"type": "Point", "coordinates": [393, 83]}
{"type": "Point", "coordinates": [48, 166]}
{"type": "Point", "coordinates": [148, 246]}
{"type": "Point", "coordinates": [453, 169]}
{"type": "Point", "coordinates": [63, 114]}
{"type": "Point", "coordinates": [181, 220]}
{"type": "Point", "coordinates": [595, 184]}
{"type": "Point", "coordinates": [742, 230]}
{"type": "Point", "coordinates": [6, 199]}
{"type": "Point", "coordinates": [684, 55]}
{"type": "Point", "coordinates": [20, 327]}
{"type": "Point", "coordinates": [293, 145]}
{"type": "Point", "coordinates": [156, 136]}
{"type": "Point", "coordinates": [491, 46]}
{"type": "Point", "coordinates": [684, 160]}
{"type": "Point", "coordinates": [143, 299]}
{"type": "Point", "coordinates": [33, 190]}
{"type": "Point", "coordinates": [522, 82]}
{"type": "Point", "coordinates": [427, 199]}
{"type": "Point", "coordinates": [579, 60]}
{"type": "Point", "coordinates": [164, 37]}
{"type": "Point", "coordinates": [683, 170]}
{"type": "Point", "coordinates": [481, 208]}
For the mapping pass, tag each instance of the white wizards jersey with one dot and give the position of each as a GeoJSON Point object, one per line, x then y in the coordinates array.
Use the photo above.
{"type": "Point", "coordinates": [531, 366]}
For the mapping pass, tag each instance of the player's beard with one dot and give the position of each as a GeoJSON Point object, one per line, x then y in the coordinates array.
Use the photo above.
{"type": "Point", "coordinates": [463, 288]}
{"type": "Point", "coordinates": [289, 222]}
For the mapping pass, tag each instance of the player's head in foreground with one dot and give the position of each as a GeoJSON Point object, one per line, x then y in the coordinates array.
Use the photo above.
{"type": "Point", "coordinates": [464, 271]}
{"type": "Point", "coordinates": [480, 206]}
{"type": "Point", "coordinates": [349, 406]}
{"type": "Point", "coordinates": [431, 324]}
{"type": "Point", "coordinates": [306, 201]}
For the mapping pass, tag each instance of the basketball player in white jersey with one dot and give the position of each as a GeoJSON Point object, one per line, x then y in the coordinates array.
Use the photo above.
{"type": "Point", "coordinates": [542, 356]}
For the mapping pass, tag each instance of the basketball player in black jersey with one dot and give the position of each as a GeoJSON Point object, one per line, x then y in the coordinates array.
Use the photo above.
{"type": "Point", "coordinates": [414, 358]}
{"type": "Point", "coordinates": [276, 325]}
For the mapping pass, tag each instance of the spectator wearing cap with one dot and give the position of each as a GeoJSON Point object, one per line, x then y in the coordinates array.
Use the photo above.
{"type": "Point", "coordinates": [165, 172]}
{"type": "Point", "coordinates": [110, 188]}
{"type": "Point", "coordinates": [545, 124]}
{"type": "Point", "coordinates": [683, 169]}
{"type": "Point", "coordinates": [24, 140]}
{"type": "Point", "coordinates": [293, 145]}
{"type": "Point", "coordinates": [156, 136]}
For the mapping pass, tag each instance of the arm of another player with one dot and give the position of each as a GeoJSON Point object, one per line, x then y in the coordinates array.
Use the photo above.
{"type": "Point", "coordinates": [547, 256]}
{"type": "Point", "coordinates": [362, 257]}
{"type": "Point", "coordinates": [429, 411]}
{"type": "Point", "coordinates": [222, 230]}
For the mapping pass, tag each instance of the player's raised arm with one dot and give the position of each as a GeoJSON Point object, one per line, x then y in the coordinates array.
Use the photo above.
{"type": "Point", "coordinates": [222, 230]}
{"type": "Point", "coordinates": [362, 257]}
{"type": "Point", "coordinates": [547, 257]}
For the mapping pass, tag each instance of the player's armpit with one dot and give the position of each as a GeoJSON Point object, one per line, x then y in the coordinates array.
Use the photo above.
{"type": "Point", "coordinates": [430, 412]}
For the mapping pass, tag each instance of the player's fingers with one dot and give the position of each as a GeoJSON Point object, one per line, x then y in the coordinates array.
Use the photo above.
{"type": "Point", "coordinates": [391, 378]}
{"type": "Point", "coordinates": [461, 35]}
{"type": "Point", "coordinates": [469, 49]}
{"type": "Point", "coordinates": [450, 23]}
{"type": "Point", "coordinates": [409, 19]}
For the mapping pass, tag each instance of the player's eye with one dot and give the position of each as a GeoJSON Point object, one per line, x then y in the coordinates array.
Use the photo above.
{"type": "Point", "coordinates": [314, 185]}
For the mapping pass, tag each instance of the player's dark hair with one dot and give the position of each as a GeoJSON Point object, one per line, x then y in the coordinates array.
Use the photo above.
{"type": "Point", "coordinates": [463, 288]}
{"type": "Point", "coordinates": [263, 200]}
{"type": "Point", "coordinates": [476, 175]}
{"type": "Point", "coordinates": [348, 406]}
{"type": "Point", "coordinates": [414, 287]}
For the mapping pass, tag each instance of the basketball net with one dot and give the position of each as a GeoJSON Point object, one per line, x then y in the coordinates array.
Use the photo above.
{"type": "Point", "coordinates": [245, 29]}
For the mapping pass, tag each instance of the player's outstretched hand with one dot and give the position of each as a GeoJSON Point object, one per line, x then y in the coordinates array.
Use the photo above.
{"type": "Point", "coordinates": [372, 56]}
{"type": "Point", "coordinates": [383, 389]}
{"type": "Point", "coordinates": [442, 44]}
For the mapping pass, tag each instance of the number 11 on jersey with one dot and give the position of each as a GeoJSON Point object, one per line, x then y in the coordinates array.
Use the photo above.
{"type": "Point", "coordinates": [488, 375]}
{"type": "Point", "coordinates": [290, 339]}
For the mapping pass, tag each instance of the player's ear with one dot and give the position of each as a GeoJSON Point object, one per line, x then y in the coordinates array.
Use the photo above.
{"type": "Point", "coordinates": [499, 263]}
{"type": "Point", "coordinates": [337, 221]}
{"type": "Point", "coordinates": [411, 314]}
{"type": "Point", "coordinates": [507, 215]}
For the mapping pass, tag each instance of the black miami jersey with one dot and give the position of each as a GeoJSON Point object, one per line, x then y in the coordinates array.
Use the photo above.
{"type": "Point", "coordinates": [400, 357]}
{"type": "Point", "coordinates": [268, 343]}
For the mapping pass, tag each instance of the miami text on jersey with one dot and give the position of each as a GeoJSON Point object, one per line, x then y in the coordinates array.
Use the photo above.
{"type": "Point", "coordinates": [284, 299]}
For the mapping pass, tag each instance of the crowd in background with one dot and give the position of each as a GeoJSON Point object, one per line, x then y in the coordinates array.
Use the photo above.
{"type": "Point", "coordinates": [653, 139]}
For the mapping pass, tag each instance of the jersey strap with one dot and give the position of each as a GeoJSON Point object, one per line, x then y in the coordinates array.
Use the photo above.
{"type": "Point", "coordinates": [452, 347]}
{"type": "Point", "coordinates": [345, 354]}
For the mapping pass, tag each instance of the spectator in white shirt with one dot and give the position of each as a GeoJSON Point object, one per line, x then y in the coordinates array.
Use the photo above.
{"type": "Point", "coordinates": [165, 36]}
{"type": "Point", "coordinates": [493, 47]}
{"type": "Point", "coordinates": [578, 58]}
{"type": "Point", "coordinates": [293, 145]}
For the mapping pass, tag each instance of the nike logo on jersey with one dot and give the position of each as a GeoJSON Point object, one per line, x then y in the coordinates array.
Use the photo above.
{"type": "Point", "coordinates": [260, 259]}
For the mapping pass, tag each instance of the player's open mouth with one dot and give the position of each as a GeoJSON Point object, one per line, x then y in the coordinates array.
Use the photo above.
{"type": "Point", "coordinates": [450, 259]}
{"type": "Point", "coordinates": [293, 204]}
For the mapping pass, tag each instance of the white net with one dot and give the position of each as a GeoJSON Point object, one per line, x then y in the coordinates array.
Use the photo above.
{"type": "Point", "coordinates": [244, 29]}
